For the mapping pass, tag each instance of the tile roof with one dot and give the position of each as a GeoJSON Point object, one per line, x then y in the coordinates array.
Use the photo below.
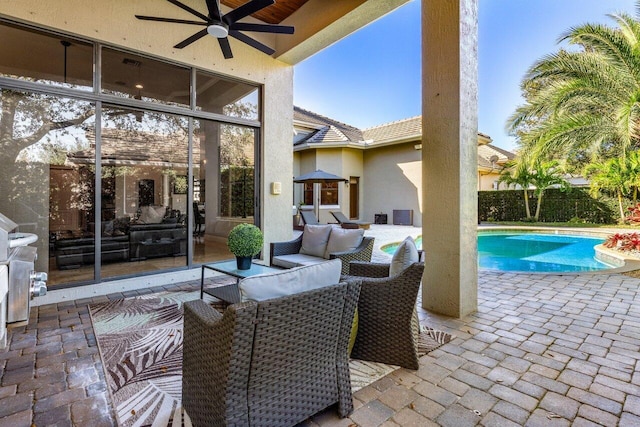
{"type": "Point", "coordinates": [328, 130]}
{"type": "Point", "coordinates": [398, 130]}
{"type": "Point", "coordinates": [122, 147]}
{"type": "Point", "coordinates": [486, 153]}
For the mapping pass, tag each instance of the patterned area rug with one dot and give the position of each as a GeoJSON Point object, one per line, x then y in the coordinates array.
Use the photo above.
{"type": "Point", "coordinates": [140, 341]}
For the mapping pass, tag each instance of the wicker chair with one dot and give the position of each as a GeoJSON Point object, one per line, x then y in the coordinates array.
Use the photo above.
{"type": "Point", "coordinates": [269, 363]}
{"type": "Point", "coordinates": [361, 253]}
{"type": "Point", "coordinates": [388, 325]}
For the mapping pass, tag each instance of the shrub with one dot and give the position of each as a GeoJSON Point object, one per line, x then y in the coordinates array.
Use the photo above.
{"type": "Point", "coordinates": [634, 214]}
{"type": "Point", "coordinates": [245, 240]}
{"type": "Point", "coordinates": [623, 241]}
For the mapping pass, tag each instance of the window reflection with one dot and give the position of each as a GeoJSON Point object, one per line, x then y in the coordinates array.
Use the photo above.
{"type": "Point", "coordinates": [31, 55]}
{"type": "Point", "coordinates": [133, 76]}
{"type": "Point", "coordinates": [143, 205]}
{"type": "Point", "coordinates": [224, 159]}
{"type": "Point", "coordinates": [144, 202]}
{"type": "Point", "coordinates": [215, 94]}
{"type": "Point", "coordinates": [42, 190]}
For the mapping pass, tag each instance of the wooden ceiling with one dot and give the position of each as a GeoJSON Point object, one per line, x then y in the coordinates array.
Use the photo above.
{"type": "Point", "coordinates": [274, 14]}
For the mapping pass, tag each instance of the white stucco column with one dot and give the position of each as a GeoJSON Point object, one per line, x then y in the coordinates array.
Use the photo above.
{"type": "Point", "coordinates": [449, 155]}
{"type": "Point", "coordinates": [165, 189]}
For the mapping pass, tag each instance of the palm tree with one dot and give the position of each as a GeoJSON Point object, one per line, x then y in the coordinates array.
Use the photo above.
{"type": "Point", "coordinates": [534, 176]}
{"type": "Point", "coordinates": [585, 100]}
{"type": "Point", "coordinates": [633, 166]}
{"type": "Point", "coordinates": [546, 175]}
{"type": "Point", "coordinates": [612, 175]}
{"type": "Point", "coordinates": [517, 174]}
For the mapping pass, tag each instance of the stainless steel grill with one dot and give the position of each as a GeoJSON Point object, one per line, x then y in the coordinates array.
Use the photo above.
{"type": "Point", "coordinates": [23, 282]}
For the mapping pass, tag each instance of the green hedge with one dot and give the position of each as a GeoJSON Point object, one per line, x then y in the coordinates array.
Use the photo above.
{"type": "Point", "coordinates": [557, 206]}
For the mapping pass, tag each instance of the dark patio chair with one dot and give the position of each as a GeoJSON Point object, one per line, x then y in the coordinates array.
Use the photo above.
{"type": "Point", "coordinates": [269, 363]}
{"type": "Point", "coordinates": [388, 325]}
{"type": "Point", "coordinates": [309, 218]}
{"type": "Point", "coordinates": [349, 223]}
{"type": "Point", "coordinates": [198, 220]}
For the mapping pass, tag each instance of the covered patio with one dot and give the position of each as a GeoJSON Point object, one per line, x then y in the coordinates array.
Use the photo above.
{"type": "Point", "coordinates": [529, 349]}
{"type": "Point", "coordinates": [542, 350]}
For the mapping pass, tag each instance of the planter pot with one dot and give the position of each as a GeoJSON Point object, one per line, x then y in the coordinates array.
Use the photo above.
{"type": "Point", "coordinates": [243, 262]}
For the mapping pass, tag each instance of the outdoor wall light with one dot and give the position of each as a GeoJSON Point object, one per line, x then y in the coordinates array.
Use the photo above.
{"type": "Point", "coordinates": [276, 188]}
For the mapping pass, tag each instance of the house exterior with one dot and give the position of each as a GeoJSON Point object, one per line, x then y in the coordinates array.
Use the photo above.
{"type": "Point", "coordinates": [491, 161]}
{"type": "Point", "coordinates": [384, 157]}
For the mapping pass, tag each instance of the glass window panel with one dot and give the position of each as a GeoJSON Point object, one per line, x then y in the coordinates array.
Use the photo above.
{"type": "Point", "coordinates": [308, 193]}
{"type": "Point", "coordinates": [223, 157]}
{"type": "Point", "coordinates": [215, 94]}
{"type": "Point", "coordinates": [144, 200]}
{"type": "Point", "coordinates": [329, 193]}
{"type": "Point", "coordinates": [134, 76]}
{"type": "Point", "coordinates": [31, 55]}
{"type": "Point", "coordinates": [43, 189]}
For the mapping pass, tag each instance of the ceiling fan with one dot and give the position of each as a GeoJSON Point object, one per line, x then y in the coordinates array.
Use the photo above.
{"type": "Point", "coordinates": [221, 26]}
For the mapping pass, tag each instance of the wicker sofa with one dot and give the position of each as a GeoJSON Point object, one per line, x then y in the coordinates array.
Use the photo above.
{"type": "Point", "coordinates": [269, 363]}
{"type": "Point", "coordinates": [339, 243]}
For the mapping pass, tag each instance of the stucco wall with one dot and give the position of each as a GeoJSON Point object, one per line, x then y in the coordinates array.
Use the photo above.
{"type": "Point", "coordinates": [486, 180]}
{"type": "Point", "coordinates": [394, 181]}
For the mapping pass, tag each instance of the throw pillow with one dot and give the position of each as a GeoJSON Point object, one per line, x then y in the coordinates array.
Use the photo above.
{"type": "Point", "coordinates": [342, 240]}
{"type": "Point", "coordinates": [314, 240]}
{"type": "Point", "coordinates": [151, 214]}
{"type": "Point", "coordinates": [107, 228]}
{"type": "Point", "coordinates": [354, 333]}
{"type": "Point", "coordinates": [287, 282]}
{"type": "Point", "coordinates": [405, 255]}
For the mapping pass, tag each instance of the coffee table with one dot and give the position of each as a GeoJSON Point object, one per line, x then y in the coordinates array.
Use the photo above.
{"type": "Point", "coordinates": [230, 293]}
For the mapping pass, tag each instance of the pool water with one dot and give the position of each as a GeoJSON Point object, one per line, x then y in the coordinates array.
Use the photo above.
{"type": "Point", "coordinates": [533, 252]}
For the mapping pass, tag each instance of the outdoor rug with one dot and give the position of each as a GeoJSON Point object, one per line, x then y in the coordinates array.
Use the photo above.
{"type": "Point", "coordinates": [140, 341]}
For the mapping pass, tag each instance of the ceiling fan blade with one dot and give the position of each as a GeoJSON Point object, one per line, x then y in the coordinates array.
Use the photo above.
{"type": "Point", "coordinates": [193, 38]}
{"type": "Point", "coordinates": [226, 47]}
{"type": "Point", "coordinates": [262, 28]}
{"type": "Point", "coordinates": [246, 9]}
{"type": "Point", "coordinates": [251, 42]}
{"type": "Point", "coordinates": [188, 9]}
{"type": "Point", "coordinates": [214, 10]}
{"type": "Point", "coordinates": [171, 20]}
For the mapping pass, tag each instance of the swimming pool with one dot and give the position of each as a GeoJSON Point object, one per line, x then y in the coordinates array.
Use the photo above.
{"type": "Point", "coordinates": [533, 252]}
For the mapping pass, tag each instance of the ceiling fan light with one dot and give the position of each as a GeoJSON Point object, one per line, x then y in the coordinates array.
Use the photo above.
{"type": "Point", "coordinates": [219, 31]}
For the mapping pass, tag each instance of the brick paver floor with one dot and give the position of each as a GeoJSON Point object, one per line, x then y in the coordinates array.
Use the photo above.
{"type": "Point", "coordinates": [542, 350]}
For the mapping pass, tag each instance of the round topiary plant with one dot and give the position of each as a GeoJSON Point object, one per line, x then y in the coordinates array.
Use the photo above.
{"type": "Point", "coordinates": [245, 240]}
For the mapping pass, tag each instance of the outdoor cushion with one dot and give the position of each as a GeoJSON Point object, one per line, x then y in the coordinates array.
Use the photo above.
{"type": "Point", "coordinates": [314, 239]}
{"type": "Point", "coordinates": [341, 240]}
{"type": "Point", "coordinates": [405, 255]}
{"type": "Point", "coordinates": [288, 282]}
{"type": "Point", "coordinates": [295, 260]}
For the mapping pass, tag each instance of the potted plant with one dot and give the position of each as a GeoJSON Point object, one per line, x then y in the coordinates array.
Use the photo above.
{"type": "Point", "coordinates": [245, 241]}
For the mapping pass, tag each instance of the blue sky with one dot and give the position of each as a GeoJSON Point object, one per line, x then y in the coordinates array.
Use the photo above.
{"type": "Point", "coordinates": [371, 77]}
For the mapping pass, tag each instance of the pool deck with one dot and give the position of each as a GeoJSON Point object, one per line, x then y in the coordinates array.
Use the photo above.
{"type": "Point", "coordinates": [542, 350]}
